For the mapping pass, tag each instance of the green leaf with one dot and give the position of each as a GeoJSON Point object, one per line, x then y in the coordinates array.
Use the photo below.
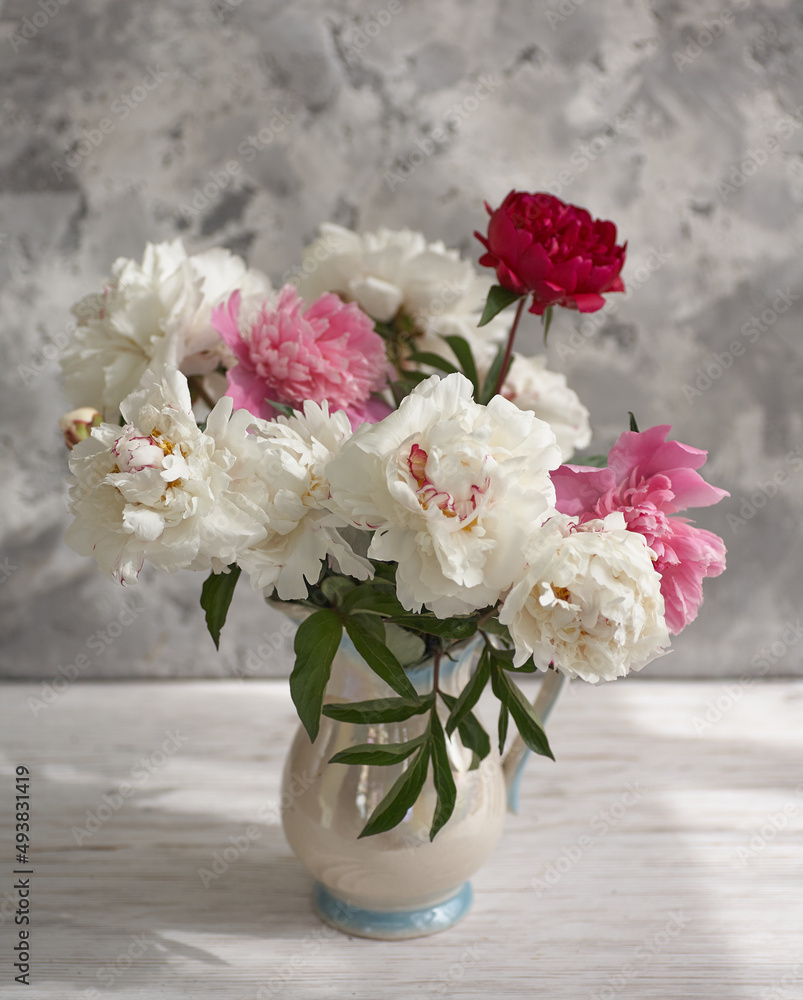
{"type": "Point", "coordinates": [302, 602]}
{"type": "Point", "coordinates": [384, 571]}
{"type": "Point", "coordinates": [498, 299]}
{"type": "Point", "coordinates": [495, 627]}
{"type": "Point", "coordinates": [472, 733]}
{"type": "Point", "coordinates": [315, 646]}
{"type": "Point", "coordinates": [368, 636]}
{"type": "Point", "coordinates": [470, 694]}
{"type": "Point", "coordinates": [598, 461]}
{"type": "Point", "coordinates": [216, 595]}
{"type": "Point", "coordinates": [378, 754]}
{"type": "Point", "coordinates": [403, 794]}
{"type": "Point", "coordinates": [445, 628]}
{"type": "Point", "coordinates": [405, 324]}
{"type": "Point", "coordinates": [408, 647]}
{"type": "Point", "coordinates": [375, 597]}
{"type": "Point", "coordinates": [378, 710]}
{"type": "Point", "coordinates": [384, 330]}
{"type": "Point", "coordinates": [500, 657]}
{"type": "Point", "coordinates": [442, 776]}
{"type": "Point", "coordinates": [462, 351]}
{"type": "Point", "coordinates": [503, 721]}
{"type": "Point", "coordinates": [527, 722]}
{"type": "Point", "coordinates": [633, 424]}
{"type": "Point", "coordinates": [475, 738]}
{"type": "Point", "coordinates": [489, 385]}
{"type": "Point", "coordinates": [433, 360]}
{"type": "Point", "coordinates": [283, 408]}
{"type": "Point", "coordinates": [547, 321]}
{"type": "Point", "coordinates": [335, 588]}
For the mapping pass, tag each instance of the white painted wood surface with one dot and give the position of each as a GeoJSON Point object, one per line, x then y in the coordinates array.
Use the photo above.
{"type": "Point", "coordinates": [658, 858]}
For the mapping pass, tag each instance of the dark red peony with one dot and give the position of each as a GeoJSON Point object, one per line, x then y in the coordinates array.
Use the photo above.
{"type": "Point", "coordinates": [539, 245]}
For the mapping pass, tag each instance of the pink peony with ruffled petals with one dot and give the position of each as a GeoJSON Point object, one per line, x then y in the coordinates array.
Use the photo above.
{"type": "Point", "coordinates": [649, 479]}
{"type": "Point", "coordinates": [289, 354]}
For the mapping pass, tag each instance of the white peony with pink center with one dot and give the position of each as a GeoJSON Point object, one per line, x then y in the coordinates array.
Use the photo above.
{"type": "Point", "coordinates": [453, 490]}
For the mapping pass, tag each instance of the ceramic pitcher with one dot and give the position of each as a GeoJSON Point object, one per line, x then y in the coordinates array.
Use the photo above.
{"type": "Point", "coordinates": [395, 884]}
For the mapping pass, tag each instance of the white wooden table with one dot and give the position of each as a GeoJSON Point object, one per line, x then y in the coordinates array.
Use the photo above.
{"type": "Point", "coordinates": [660, 857]}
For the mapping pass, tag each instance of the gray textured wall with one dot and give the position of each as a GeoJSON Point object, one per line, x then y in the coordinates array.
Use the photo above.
{"type": "Point", "coordinates": [692, 114]}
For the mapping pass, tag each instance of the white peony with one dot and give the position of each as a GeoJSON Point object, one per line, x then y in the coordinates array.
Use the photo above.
{"type": "Point", "coordinates": [453, 490]}
{"type": "Point", "coordinates": [590, 601]}
{"type": "Point", "coordinates": [162, 489]}
{"type": "Point", "coordinates": [532, 386]}
{"type": "Point", "coordinates": [301, 529]}
{"type": "Point", "coordinates": [151, 313]}
{"type": "Point", "coordinates": [393, 273]}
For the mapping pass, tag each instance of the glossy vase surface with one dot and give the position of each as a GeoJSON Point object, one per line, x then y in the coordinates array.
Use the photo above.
{"type": "Point", "coordinates": [395, 884]}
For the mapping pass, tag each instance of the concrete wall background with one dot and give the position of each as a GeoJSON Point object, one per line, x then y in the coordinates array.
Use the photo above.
{"type": "Point", "coordinates": [692, 113]}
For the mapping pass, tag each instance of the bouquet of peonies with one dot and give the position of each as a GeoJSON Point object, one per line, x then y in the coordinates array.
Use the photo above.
{"type": "Point", "coordinates": [366, 445]}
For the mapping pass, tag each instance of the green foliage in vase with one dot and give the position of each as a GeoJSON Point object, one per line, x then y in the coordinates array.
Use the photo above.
{"type": "Point", "coordinates": [391, 641]}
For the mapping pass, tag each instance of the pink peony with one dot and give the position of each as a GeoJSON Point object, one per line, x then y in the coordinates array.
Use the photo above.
{"type": "Point", "coordinates": [329, 351]}
{"type": "Point", "coordinates": [649, 479]}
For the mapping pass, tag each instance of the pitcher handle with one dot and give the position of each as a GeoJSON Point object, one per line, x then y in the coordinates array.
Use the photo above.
{"type": "Point", "coordinates": [516, 757]}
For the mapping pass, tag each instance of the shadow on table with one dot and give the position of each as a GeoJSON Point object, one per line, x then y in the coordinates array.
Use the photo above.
{"type": "Point", "coordinates": [628, 854]}
{"type": "Point", "coordinates": [152, 909]}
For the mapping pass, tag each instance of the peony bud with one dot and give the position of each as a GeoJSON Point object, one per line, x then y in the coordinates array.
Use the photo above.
{"type": "Point", "coordinates": [77, 424]}
{"type": "Point", "coordinates": [136, 452]}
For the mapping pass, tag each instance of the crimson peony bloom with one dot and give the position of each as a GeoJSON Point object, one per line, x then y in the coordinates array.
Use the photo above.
{"type": "Point", "coordinates": [649, 479]}
{"type": "Point", "coordinates": [290, 353]}
{"type": "Point", "coordinates": [539, 245]}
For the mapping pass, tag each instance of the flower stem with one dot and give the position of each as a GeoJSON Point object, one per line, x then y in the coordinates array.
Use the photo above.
{"type": "Point", "coordinates": [486, 617]}
{"type": "Point", "coordinates": [196, 384]}
{"type": "Point", "coordinates": [436, 667]}
{"type": "Point", "coordinates": [509, 349]}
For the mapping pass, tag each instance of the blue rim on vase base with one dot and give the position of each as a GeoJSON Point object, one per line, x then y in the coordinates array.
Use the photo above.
{"type": "Point", "coordinates": [390, 925]}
